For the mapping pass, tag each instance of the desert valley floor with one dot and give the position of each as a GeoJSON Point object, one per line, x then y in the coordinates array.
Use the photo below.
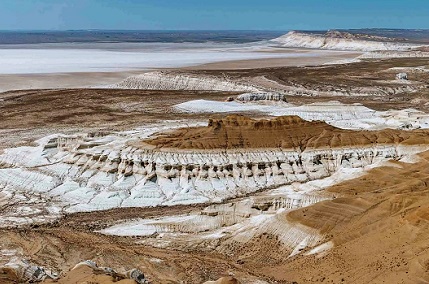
{"type": "Point", "coordinates": [232, 172]}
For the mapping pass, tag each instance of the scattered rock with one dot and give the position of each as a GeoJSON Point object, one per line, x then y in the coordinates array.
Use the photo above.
{"type": "Point", "coordinates": [136, 275]}
{"type": "Point", "coordinates": [247, 97]}
{"type": "Point", "coordinates": [22, 271]}
{"type": "Point", "coordinates": [402, 76]}
{"type": "Point", "coordinates": [133, 274]}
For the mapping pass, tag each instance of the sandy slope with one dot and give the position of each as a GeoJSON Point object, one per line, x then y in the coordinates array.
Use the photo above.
{"type": "Point", "coordinates": [379, 228]}
{"type": "Point", "coordinates": [378, 224]}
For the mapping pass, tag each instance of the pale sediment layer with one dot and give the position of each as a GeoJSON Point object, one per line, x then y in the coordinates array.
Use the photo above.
{"type": "Point", "coordinates": [339, 41]}
{"type": "Point", "coordinates": [164, 80]}
{"type": "Point", "coordinates": [87, 173]}
{"type": "Point", "coordinates": [352, 79]}
{"type": "Point", "coordinates": [394, 54]}
{"type": "Point", "coordinates": [346, 116]}
{"type": "Point", "coordinates": [248, 97]}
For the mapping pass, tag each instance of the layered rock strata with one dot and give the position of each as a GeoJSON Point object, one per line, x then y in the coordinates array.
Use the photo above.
{"type": "Point", "coordinates": [247, 97]}
{"type": "Point", "coordinates": [338, 41]}
{"type": "Point", "coordinates": [228, 158]}
{"type": "Point", "coordinates": [164, 80]}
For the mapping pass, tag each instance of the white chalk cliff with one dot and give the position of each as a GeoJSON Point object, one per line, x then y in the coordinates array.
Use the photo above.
{"type": "Point", "coordinates": [336, 41]}
{"type": "Point", "coordinates": [247, 97]}
{"type": "Point", "coordinates": [73, 174]}
{"type": "Point", "coordinates": [164, 80]}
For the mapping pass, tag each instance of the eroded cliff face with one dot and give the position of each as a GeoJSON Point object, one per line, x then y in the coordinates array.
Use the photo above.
{"type": "Point", "coordinates": [285, 132]}
{"type": "Point", "coordinates": [169, 80]}
{"type": "Point", "coordinates": [146, 177]}
{"type": "Point", "coordinates": [338, 41]}
{"type": "Point", "coordinates": [248, 97]}
{"type": "Point", "coordinates": [87, 173]}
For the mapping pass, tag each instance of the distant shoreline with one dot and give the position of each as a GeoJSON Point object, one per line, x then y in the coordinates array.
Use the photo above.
{"type": "Point", "coordinates": [85, 79]}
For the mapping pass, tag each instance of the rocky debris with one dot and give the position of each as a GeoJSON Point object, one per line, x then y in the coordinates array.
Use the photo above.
{"type": "Point", "coordinates": [134, 274]}
{"type": "Point", "coordinates": [247, 97]}
{"type": "Point", "coordinates": [137, 276]}
{"type": "Point", "coordinates": [402, 76]}
{"type": "Point", "coordinates": [394, 54]}
{"type": "Point", "coordinates": [343, 34]}
{"type": "Point", "coordinates": [23, 271]}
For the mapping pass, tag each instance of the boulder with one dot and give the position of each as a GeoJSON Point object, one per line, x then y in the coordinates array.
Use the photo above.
{"type": "Point", "coordinates": [247, 97]}
{"type": "Point", "coordinates": [402, 76]}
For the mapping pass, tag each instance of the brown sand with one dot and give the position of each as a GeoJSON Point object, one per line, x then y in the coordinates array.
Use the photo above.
{"type": "Point", "coordinates": [28, 115]}
{"type": "Point", "coordinates": [62, 80]}
{"type": "Point", "coordinates": [236, 131]}
{"type": "Point", "coordinates": [379, 224]}
{"type": "Point", "coordinates": [379, 227]}
{"type": "Point", "coordinates": [224, 280]}
{"type": "Point", "coordinates": [368, 73]}
{"type": "Point", "coordinates": [94, 107]}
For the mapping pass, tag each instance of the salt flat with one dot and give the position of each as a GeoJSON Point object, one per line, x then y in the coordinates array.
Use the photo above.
{"type": "Point", "coordinates": [99, 57]}
{"type": "Point", "coordinates": [84, 65]}
{"type": "Point", "coordinates": [33, 61]}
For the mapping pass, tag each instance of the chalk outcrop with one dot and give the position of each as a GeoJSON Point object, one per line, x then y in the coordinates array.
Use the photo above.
{"type": "Point", "coordinates": [402, 76]}
{"type": "Point", "coordinates": [338, 41]}
{"type": "Point", "coordinates": [165, 80]}
{"type": "Point", "coordinates": [248, 97]}
{"type": "Point", "coordinates": [228, 158]}
{"type": "Point", "coordinates": [23, 271]}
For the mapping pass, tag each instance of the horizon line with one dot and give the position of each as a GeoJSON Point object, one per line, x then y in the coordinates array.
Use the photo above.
{"type": "Point", "coordinates": [204, 30]}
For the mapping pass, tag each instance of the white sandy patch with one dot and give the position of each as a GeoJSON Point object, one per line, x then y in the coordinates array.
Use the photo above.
{"type": "Point", "coordinates": [320, 250]}
{"type": "Point", "coordinates": [353, 116]}
{"type": "Point", "coordinates": [39, 60]}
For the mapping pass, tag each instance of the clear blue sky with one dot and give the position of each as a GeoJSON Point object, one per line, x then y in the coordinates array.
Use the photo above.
{"type": "Point", "coordinates": [212, 14]}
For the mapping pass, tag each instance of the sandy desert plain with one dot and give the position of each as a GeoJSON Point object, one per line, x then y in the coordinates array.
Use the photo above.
{"type": "Point", "coordinates": [304, 160]}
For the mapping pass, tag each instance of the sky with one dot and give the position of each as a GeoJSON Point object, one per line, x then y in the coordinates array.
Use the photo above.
{"type": "Point", "coordinates": [212, 14]}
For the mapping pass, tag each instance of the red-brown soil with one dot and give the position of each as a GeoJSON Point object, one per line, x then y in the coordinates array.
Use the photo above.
{"type": "Point", "coordinates": [237, 131]}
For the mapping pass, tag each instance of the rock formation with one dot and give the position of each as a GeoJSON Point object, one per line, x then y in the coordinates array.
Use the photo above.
{"type": "Point", "coordinates": [285, 132]}
{"type": "Point", "coordinates": [230, 157]}
{"type": "Point", "coordinates": [338, 41]}
{"type": "Point", "coordinates": [169, 80]}
{"type": "Point", "coordinates": [402, 76]}
{"type": "Point", "coordinates": [248, 97]}
{"type": "Point", "coordinates": [23, 271]}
